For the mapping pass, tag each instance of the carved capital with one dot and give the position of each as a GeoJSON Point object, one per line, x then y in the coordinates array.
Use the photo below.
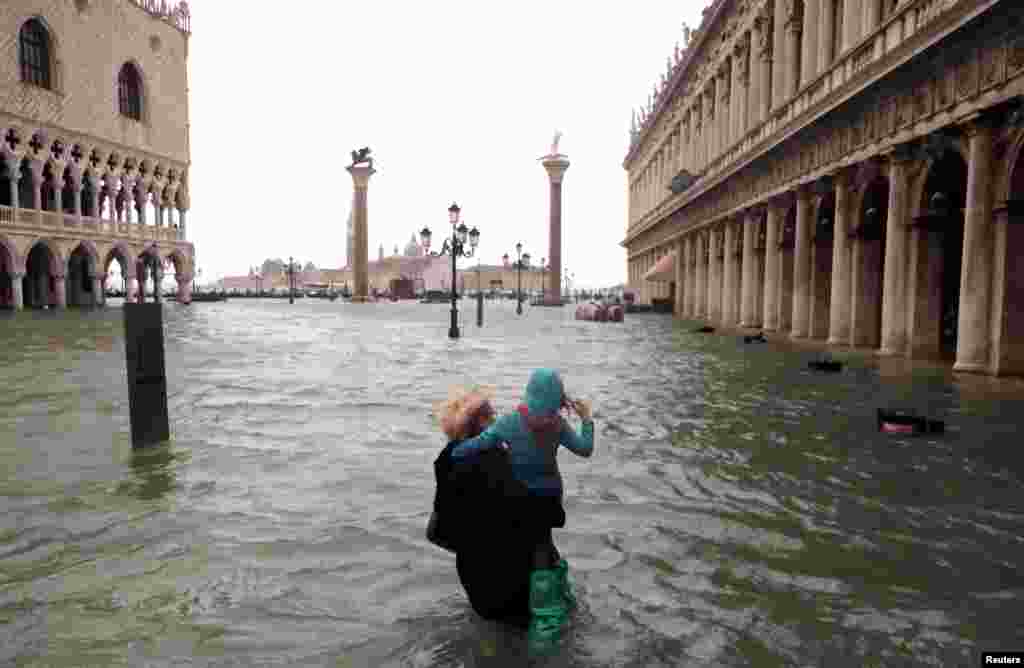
{"type": "Point", "coordinates": [765, 26]}
{"type": "Point", "coordinates": [794, 14]}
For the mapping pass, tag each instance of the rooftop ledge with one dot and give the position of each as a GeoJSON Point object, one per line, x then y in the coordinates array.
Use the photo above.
{"type": "Point", "coordinates": [177, 15]}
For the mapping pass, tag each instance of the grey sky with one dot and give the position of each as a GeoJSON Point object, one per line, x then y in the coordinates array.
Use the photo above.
{"type": "Point", "coordinates": [456, 99]}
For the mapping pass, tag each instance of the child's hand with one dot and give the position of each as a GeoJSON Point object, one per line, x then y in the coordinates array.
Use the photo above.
{"type": "Point", "coordinates": [583, 409]}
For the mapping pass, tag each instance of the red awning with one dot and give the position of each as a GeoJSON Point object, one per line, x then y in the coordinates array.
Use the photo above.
{"type": "Point", "coordinates": [663, 270]}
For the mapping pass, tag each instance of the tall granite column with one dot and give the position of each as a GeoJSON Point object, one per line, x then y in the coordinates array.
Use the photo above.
{"type": "Point", "coordinates": [361, 174]}
{"type": "Point", "coordinates": [750, 317]}
{"type": "Point", "coordinates": [973, 324]}
{"type": "Point", "coordinates": [894, 287]}
{"type": "Point", "coordinates": [802, 265]}
{"type": "Point", "coordinates": [555, 166]}
{"type": "Point", "coordinates": [771, 268]}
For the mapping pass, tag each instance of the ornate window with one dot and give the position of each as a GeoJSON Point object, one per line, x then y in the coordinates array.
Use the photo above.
{"type": "Point", "coordinates": [129, 92]}
{"type": "Point", "coordinates": [34, 49]}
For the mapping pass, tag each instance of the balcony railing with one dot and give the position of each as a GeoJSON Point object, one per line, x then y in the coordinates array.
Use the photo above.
{"type": "Point", "coordinates": [53, 221]}
{"type": "Point", "coordinates": [846, 74]}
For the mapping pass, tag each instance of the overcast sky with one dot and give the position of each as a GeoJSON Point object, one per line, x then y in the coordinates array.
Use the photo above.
{"type": "Point", "coordinates": [457, 99]}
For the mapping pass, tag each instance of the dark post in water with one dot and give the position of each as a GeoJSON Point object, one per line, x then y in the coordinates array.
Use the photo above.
{"type": "Point", "coordinates": [147, 379]}
{"type": "Point", "coordinates": [479, 309]}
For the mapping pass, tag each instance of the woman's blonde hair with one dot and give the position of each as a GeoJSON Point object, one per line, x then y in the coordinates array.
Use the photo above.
{"type": "Point", "coordinates": [457, 414]}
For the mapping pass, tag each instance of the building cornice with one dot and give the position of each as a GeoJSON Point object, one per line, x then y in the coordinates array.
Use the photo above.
{"type": "Point", "coordinates": [680, 73]}
{"type": "Point", "coordinates": [918, 42]}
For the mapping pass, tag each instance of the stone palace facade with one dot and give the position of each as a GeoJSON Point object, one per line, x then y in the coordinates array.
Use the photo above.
{"type": "Point", "coordinates": [843, 170]}
{"type": "Point", "coordinates": [94, 148]}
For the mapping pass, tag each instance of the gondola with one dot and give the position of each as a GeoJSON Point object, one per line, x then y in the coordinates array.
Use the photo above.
{"type": "Point", "coordinates": [706, 329]}
{"type": "Point", "coordinates": [755, 338]}
{"type": "Point", "coordinates": [904, 423]}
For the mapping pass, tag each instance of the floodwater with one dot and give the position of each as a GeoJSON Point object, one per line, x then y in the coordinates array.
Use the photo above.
{"type": "Point", "coordinates": [739, 510]}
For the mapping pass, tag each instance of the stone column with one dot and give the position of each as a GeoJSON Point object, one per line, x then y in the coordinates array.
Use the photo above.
{"type": "Point", "coordinates": [839, 302]}
{"type": "Point", "coordinates": [771, 269]}
{"type": "Point", "coordinates": [184, 288]}
{"type": "Point", "coordinates": [60, 290]}
{"type": "Point", "coordinates": [16, 288]}
{"type": "Point", "coordinates": [763, 77]}
{"type": "Point", "coordinates": [130, 281]}
{"type": "Point", "coordinates": [972, 349]}
{"type": "Point", "coordinates": [802, 266]}
{"type": "Point", "coordinates": [555, 166]}
{"type": "Point", "coordinates": [97, 289]}
{"type": "Point", "coordinates": [1008, 275]}
{"type": "Point", "coordinates": [852, 10]}
{"type": "Point", "coordinates": [727, 112]}
{"type": "Point", "coordinates": [894, 288]}
{"type": "Point", "coordinates": [710, 134]}
{"type": "Point", "coordinates": [809, 56]}
{"type": "Point", "coordinates": [700, 270]}
{"type": "Point", "coordinates": [13, 164]}
{"type": "Point", "coordinates": [825, 30]}
{"type": "Point", "coordinates": [361, 180]}
{"type": "Point", "coordinates": [141, 199]}
{"type": "Point", "coordinates": [741, 87]}
{"type": "Point", "coordinates": [35, 168]}
{"type": "Point", "coordinates": [871, 17]}
{"type": "Point", "coordinates": [687, 278]}
{"type": "Point", "coordinates": [750, 316]}
{"type": "Point", "coordinates": [782, 65]}
{"type": "Point", "coordinates": [181, 223]}
{"type": "Point", "coordinates": [680, 308]}
{"type": "Point", "coordinates": [794, 31]}
{"type": "Point", "coordinates": [94, 193]}
{"type": "Point", "coordinates": [729, 286]}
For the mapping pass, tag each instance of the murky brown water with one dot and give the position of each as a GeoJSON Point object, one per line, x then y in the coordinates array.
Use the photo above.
{"type": "Point", "coordinates": [739, 510]}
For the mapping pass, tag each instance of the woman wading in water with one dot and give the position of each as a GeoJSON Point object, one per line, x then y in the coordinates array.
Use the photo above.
{"type": "Point", "coordinates": [531, 436]}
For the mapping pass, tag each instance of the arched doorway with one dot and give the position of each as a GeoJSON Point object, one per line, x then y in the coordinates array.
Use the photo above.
{"type": "Point", "coordinates": [868, 264]}
{"type": "Point", "coordinates": [81, 277]}
{"type": "Point", "coordinates": [147, 268]}
{"type": "Point", "coordinates": [787, 244]}
{"type": "Point", "coordinates": [1008, 339]}
{"type": "Point", "coordinates": [939, 241]}
{"type": "Point", "coordinates": [116, 282]}
{"type": "Point", "coordinates": [822, 240]}
{"type": "Point", "coordinates": [5, 183]}
{"type": "Point", "coordinates": [176, 267]}
{"type": "Point", "coordinates": [39, 286]}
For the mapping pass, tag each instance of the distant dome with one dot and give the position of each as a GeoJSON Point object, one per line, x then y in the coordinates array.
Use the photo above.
{"type": "Point", "coordinates": [413, 249]}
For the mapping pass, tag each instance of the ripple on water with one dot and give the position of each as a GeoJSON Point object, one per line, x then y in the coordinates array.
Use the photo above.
{"type": "Point", "coordinates": [738, 510]}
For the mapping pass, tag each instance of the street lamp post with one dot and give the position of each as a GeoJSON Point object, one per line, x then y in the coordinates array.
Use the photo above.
{"type": "Point", "coordinates": [291, 280]}
{"type": "Point", "coordinates": [523, 261]}
{"type": "Point", "coordinates": [543, 289]}
{"type": "Point", "coordinates": [456, 247]}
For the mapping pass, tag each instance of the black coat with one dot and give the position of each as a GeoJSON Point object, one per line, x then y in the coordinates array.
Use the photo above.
{"type": "Point", "coordinates": [481, 513]}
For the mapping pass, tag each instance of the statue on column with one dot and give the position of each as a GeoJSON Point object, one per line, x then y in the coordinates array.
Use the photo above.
{"type": "Point", "coordinates": [554, 143]}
